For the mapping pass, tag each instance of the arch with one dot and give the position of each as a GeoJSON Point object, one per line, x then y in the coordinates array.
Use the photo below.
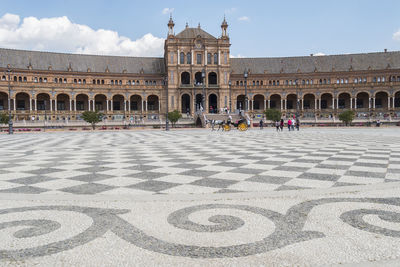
{"type": "Point", "coordinates": [309, 101]}
{"type": "Point", "coordinates": [275, 101]}
{"type": "Point", "coordinates": [136, 102]}
{"type": "Point", "coordinates": [240, 102]}
{"type": "Point", "coordinates": [360, 92]}
{"type": "Point", "coordinates": [185, 77]}
{"type": "Point", "coordinates": [22, 101]}
{"type": "Point", "coordinates": [381, 99]}
{"type": "Point", "coordinates": [212, 78]}
{"type": "Point", "coordinates": [397, 99]}
{"type": "Point", "coordinates": [199, 98]}
{"type": "Point", "coordinates": [344, 100]}
{"type": "Point", "coordinates": [381, 91]}
{"type": "Point", "coordinates": [212, 103]}
{"type": "Point", "coordinates": [100, 102]}
{"type": "Point", "coordinates": [3, 101]}
{"type": "Point", "coordinates": [198, 78]}
{"type": "Point", "coordinates": [362, 100]}
{"type": "Point", "coordinates": [82, 102]}
{"type": "Point", "coordinates": [258, 102]}
{"type": "Point", "coordinates": [63, 102]}
{"type": "Point", "coordinates": [326, 101]}
{"type": "Point", "coordinates": [43, 101]}
{"type": "Point", "coordinates": [118, 102]}
{"type": "Point", "coordinates": [185, 103]}
{"type": "Point", "coordinates": [152, 103]}
{"type": "Point", "coordinates": [291, 101]}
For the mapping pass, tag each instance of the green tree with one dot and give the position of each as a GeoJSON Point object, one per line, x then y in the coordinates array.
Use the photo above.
{"type": "Point", "coordinates": [3, 118]}
{"type": "Point", "coordinates": [273, 114]}
{"type": "Point", "coordinates": [347, 116]}
{"type": "Point", "coordinates": [174, 116]}
{"type": "Point", "coordinates": [92, 117]}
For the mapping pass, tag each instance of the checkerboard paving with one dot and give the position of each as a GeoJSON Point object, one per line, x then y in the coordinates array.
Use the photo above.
{"type": "Point", "coordinates": [196, 161]}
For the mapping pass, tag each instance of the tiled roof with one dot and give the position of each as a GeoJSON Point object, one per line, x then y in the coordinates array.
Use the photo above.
{"type": "Point", "coordinates": [21, 59]}
{"type": "Point", "coordinates": [356, 62]}
{"type": "Point", "coordinates": [193, 33]}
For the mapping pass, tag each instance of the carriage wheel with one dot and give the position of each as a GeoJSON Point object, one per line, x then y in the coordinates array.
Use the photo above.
{"type": "Point", "coordinates": [242, 127]}
{"type": "Point", "coordinates": [227, 127]}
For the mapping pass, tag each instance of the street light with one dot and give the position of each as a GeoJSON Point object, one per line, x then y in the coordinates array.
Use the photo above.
{"type": "Point", "coordinates": [166, 103]}
{"type": "Point", "coordinates": [203, 76]}
{"type": "Point", "coordinates": [297, 99]}
{"type": "Point", "coordinates": [246, 74]}
{"type": "Point", "coordinates": [10, 123]}
{"type": "Point", "coordinates": [45, 116]}
{"type": "Point", "coordinates": [230, 95]}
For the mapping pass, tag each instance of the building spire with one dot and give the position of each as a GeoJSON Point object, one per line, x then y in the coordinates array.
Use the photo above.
{"type": "Point", "coordinates": [224, 27]}
{"type": "Point", "coordinates": [171, 25]}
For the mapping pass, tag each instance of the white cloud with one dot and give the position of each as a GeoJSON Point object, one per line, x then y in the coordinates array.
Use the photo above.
{"type": "Point", "coordinates": [319, 54]}
{"type": "Point", "coordinates": [396, 35]}
{"type": "Point", "coordinates": [61, 35]}
{"type": "Point", "coordinates": [237, 56]}
{"type": "Point", "coordinates": [230, 10]}
{"type": "Point", "coordinates": [168, 10]}
{"type": "Point", "coordinates": [244, 18]}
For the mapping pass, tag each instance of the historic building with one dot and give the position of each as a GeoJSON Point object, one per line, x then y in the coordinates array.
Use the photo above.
{"type": "Point", "coordinates": [195, 63]}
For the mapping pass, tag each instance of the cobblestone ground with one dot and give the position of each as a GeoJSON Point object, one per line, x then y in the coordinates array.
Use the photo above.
{"type": "Point", "coordinates": [313, 197]}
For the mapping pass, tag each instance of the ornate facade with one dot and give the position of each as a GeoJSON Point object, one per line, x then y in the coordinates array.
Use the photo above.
{"type": "Point", "coordinates": [195, 63]}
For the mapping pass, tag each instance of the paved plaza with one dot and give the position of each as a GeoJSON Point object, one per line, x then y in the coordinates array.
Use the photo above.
{"type": "Point", "coordinates": [320, 196]}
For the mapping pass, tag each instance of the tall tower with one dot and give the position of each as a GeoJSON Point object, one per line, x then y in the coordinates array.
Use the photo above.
{"type": "Point", "coordinates": [198, 69]}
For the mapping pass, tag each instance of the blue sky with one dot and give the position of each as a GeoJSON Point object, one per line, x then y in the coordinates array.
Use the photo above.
{"type": "Point", "coordinates": [256, 28]}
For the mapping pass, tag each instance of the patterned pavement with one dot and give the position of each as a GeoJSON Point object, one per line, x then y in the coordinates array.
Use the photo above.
{"type": "Point", "coordinates": [196, 161]}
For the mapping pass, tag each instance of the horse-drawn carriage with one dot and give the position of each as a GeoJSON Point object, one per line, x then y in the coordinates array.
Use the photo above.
{"type": "Point", "coordinates": [241, 124]}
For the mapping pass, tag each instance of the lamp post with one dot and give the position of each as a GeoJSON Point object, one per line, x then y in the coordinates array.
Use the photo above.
{"type": "Point", "coordinates": [297, 99]}
{"type": "Point", "coordinates": [246, 74]}
{"type": "Point", "coordinates": [203, 97]}
{"type": "Point", "coordinates": [10, 123]}
{"type": "Point", "coordinates": [45, 116]}
{"type": "Point", "coordinates": [166, 103]}
{"type": "Point", "coordinates": [230, 95]}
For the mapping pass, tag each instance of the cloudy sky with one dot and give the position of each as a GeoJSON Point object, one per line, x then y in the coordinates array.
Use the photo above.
{"type": "Point", "coordinates": [257, 28]}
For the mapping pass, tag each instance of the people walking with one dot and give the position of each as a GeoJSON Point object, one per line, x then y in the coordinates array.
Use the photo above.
{"type": "Point", "coordinates": [282, 124]}
{"type": "Point", "coordinates": [261, 124]}
{"type": "Point", "coordinates": [289, 124]}
{"type": "Point", "coordinates": [293, 124]}
{"type": "Point", "coordinates": [277, 125]}
{"type": "Point", "coordinates": [297, 124]}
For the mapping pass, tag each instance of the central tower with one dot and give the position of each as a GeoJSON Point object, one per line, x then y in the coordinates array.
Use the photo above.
{"type": "Point", "coordinates": [198, 69]}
